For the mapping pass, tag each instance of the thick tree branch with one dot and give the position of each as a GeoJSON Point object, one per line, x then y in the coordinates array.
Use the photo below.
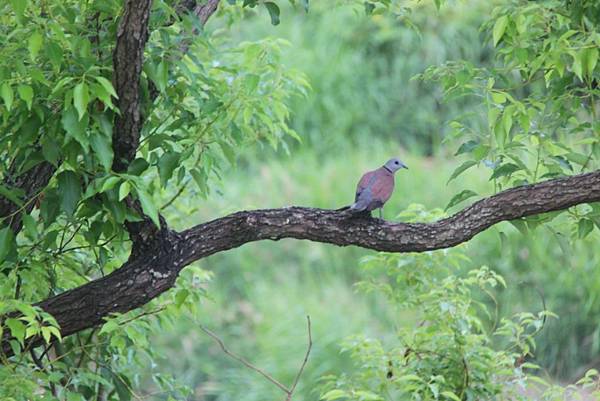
{"type": "Point", "coordinates": [128, 58]}
{"type": "Point", "coordinates": [146, 276]}
{"type": "Point", "coordinates": [204, 11]}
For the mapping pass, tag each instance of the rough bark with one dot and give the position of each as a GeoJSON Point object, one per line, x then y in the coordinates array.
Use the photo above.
{"type": "Point", "coordinates": [128, 61]}
{"type": "Point", "coordinates": [132, 35]}
{"type": "Point", "coordinates": [153, 272]}
{"type": "Point", "coordinates": [204, 11]}
{"type": "Point", "coordinates": [128, 58]}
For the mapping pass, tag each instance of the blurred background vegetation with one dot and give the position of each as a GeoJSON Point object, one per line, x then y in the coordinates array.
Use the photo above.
{"type": "Point", "coordinates": [363, 107]}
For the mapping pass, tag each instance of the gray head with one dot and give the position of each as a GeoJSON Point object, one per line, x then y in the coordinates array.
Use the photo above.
{"type": "Point", "coordinates": [394, 165]}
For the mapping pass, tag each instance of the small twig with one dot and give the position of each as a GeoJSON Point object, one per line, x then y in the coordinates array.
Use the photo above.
{"type": "Point", "coordinates": [243, 361]}
{"type": "Point", "coordinates": [87, 246]}
{"type": "Point", "coordinates": [174, 198]}
{"type": "Point", "coordinates": [38, 362]}
{"type": "Point", "coordinates": [87, 341]}
{"type": "Point", "coordinates": [141, 315]}
{"type": "Point", "coordinates": [289, 392]}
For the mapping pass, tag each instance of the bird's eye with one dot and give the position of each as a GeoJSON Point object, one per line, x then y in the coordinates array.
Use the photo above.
{"type": "Point", "coordinates": [396, 162]}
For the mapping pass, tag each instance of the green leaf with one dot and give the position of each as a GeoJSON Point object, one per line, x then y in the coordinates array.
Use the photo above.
{"type": "Point", "coordinates": [12, 194]}
{"type": "Point", "coordinates": [466, 147]}
{"type": "Point", "coordinates": [81, 98]}
{"type": "Point", "coordinates": [504, 170]}
{"type": "Point", "coordinates": [499, 97]}
{"type": "Point", "coordinates": [46, 334]}
{"type": "Point", "coordinates": [228, 152]}
{"type": "Point", "coordinates": [109, 326]}
{"type": "Point", "coordinates": [577, 65]}
{"type": "Point", "coordinates": [166, 164]}
{"type": "Point", "coordinates": [124, 190]}
{"type": "Point", "coordinates": [460, 197]}
{"type": "Point", "coordinates": [75, 127]}
{"type": "Point", "coordinates": [161, 76]}
{"type": "Point", "coordinates": [450, 395]}
{"type": "Point", "coordinates": [460, 169]}
{"type": "Point", "coordinates": [107, 85]}
{"type": "Point", "coordinates": [50, 149]}
{"type": "Point", "coordinates": [122, 386]}
{"type": "Point", "coordinates": [520, 225]}
{"type": "Point", "coordinates": [201, 180]}
{"type": "Point", "coordinates": [104, 124]}
{"type": "Point", "coordinates": [148, 206]}
{"type": "Point", "coordinates": [7, 95]}
{"type": "Point", "coordinates": [137, 167]}
{"type": "Point", "coordinates": [35, 44]}
{"type": "Point", "coordinates": [584, 227]}
{"type": "Point", "coordinates": [26, 94]}
{"type": "Point", "coordinates": [54, 53]}
{"type": "Point", "coordinates": [499, 29]}
{"type": "Point", "coordinates": [251, 82]}
{"type": "Point", "coordinates": [110, 183]}
{"type": "Point", "coordinates": [7, 243]}
{"type": "Point", "coordinates": [273, 12]}
{"type": "Point", "coordinates": [102, 147]}
{"type": "Point", "coordinates": [69, 191]}
{"type": "Point", "coordinates": [181, 296]}
{"type": "Point", "coordinates": [17, 328]}
{"type": "Point", "coordinates": [335, 394]}
{"type": "Point", "coordinates": [590, 59]}
{"type": "Point", "coordinates": [30, 226]}
{"type": "Point", "coordinates": [19, 7]}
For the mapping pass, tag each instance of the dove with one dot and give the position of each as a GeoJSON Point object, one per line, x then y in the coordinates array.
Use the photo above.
{"type": "Point", "coordinates": [375, 187]}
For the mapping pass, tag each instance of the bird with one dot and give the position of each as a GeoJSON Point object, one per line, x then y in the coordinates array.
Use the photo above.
{"type": "Point", "coordinates": [375, 187]}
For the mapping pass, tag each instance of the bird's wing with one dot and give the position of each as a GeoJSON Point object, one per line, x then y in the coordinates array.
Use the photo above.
{"type": "Point", "coordinates": [383, 187]}
{"type": "Point", "coordinates": [365, 182]}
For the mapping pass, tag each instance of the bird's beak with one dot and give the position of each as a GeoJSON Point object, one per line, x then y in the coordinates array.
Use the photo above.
{"type": "Point", "coordinates": [404, 166]}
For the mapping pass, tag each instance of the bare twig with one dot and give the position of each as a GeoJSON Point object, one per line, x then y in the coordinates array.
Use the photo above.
{"type": "Point", "coordinates": [141, 315]}
{"type": "Point", "coordinates": [174, 197]}
{"type": "Point", "coordinates": [244, 361]}
{"type": "Point", "coordinates": [289, 392]}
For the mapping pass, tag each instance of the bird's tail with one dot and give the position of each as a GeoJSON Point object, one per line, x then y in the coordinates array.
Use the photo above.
{"type": "Point", "coordinates": [354, 208]}
{"type": "Point", "coordinates": [358, 206]}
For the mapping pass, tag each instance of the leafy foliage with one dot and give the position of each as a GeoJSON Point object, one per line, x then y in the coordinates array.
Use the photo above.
{"type": "Point", "coordinates": [202, 101]}
{"type": "Point", "coordinates": [540, 98]}
{"type": "Point", "coordinates": [445, 346]}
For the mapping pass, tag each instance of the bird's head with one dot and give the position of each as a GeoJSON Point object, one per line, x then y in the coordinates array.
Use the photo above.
{"type": "Point", "coordinates": [394, 165]}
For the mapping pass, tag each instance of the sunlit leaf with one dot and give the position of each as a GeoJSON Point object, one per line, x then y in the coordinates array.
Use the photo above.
{"type": "Point", "coordinates": [148, 206]}
{"type": "Point", "coordinates": [166, 164]}
{"type": "Point", "coordinates": [460, 169]}
{"type": "Point", "coordinates": [499, 29]}
{"type": "Point", "coordinates": [75, 127]}
{"type": "Point", "coordinates": [26, 94]}
{"type": "Point", "coordinates": [81, 98]}
{"type": "Point", "coordinates": [69, 187]}
{"type": "Point", "coordinates": [7, 95]}
{"type": "Point", "coordinates": [460, 197]}
{"type": "Point", "coordinates": [35, 44]}
{"type": "Point", "coordinates": [7, 243]}
{"type": "Point", "coordinates": [102, 147]}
